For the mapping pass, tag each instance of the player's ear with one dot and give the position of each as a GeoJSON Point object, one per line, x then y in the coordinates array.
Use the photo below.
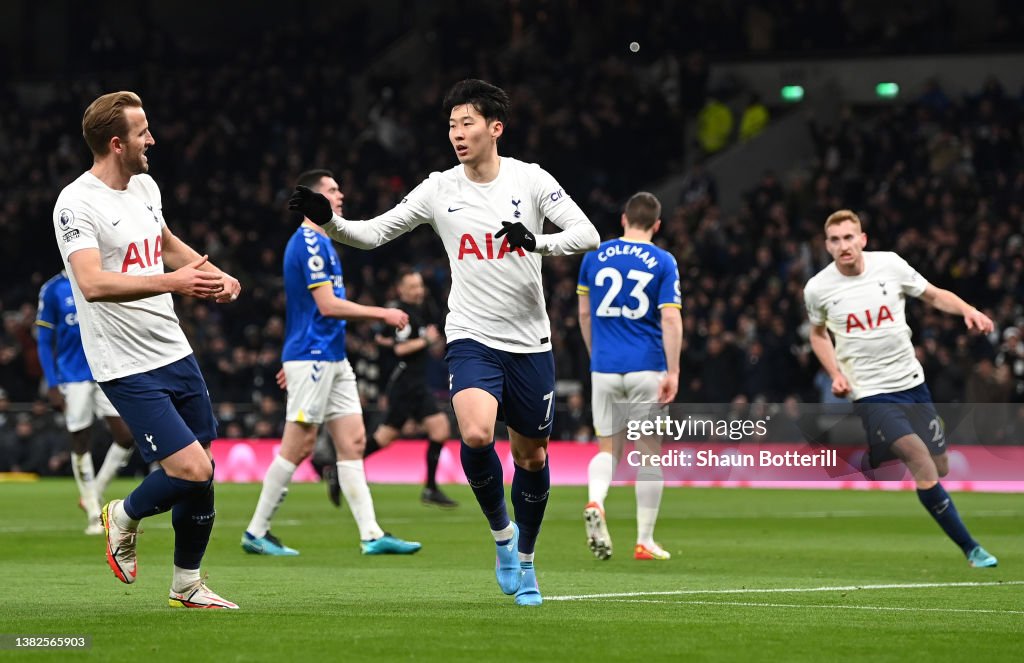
{"type": "Point", "coordinates": [656, 226]}
{"type": "Point", "coordinates": [624, 222]}
{"type": "Point", "coordinates": [116, 144]}
{"type": "Point", "coordinates": [863, 240]}
{"type": "Point", "coordinates": [497, 128]}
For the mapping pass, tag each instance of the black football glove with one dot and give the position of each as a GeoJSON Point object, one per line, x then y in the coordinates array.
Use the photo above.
{"type": "Point", "coordinates": [518, 236]}
{"type": "Point", "coordinates": [314, 206]}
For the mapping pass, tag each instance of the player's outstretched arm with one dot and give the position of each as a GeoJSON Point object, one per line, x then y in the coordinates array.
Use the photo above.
{"type": "Point", "coordinates": [360, 234]}
{"type": "Point", "coordinates": [949, 302]}
{"type": "Point", "coordinates": [821, 343]}
{"type": "Point", "coordinates": [332, 306]}
{"type": "Point", "coordinates": [177, 254]}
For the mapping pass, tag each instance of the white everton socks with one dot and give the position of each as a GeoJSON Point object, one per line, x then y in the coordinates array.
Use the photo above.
{"type": "Point", "coordinates": [352, 478]}
{"type": "Point", "coordinates": [85, 478]}
{"type": "Point", "coordinates": [275, 488]}
{"type": "Point", "coordinates": [649, 486]}
{"type": "Point", "coordinates": [116, 458]}
{"type": "Point", "coordinates": [599, 477]}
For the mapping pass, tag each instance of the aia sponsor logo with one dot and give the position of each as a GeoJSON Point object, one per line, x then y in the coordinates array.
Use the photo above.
{"type": "Point", "coordinates": [146, 254]}
{"type": "Point", "coordinates": [485, 250]}
{"type": "Point", "coordinates": [854, 322]}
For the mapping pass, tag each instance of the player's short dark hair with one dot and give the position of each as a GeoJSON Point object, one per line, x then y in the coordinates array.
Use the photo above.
{"type": "Point", "coordinates": [642, 210]}
{"type": "Point", "coordinates": [311, 178]}
{"type": "Point", "coordinates": [489, 100]}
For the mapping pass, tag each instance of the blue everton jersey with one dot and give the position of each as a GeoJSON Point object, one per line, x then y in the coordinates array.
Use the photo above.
{"type": "Point", "coordinates": [628, 283]}
{"type": "Point", "coordinates": [310, 261]}
{"type": "Point", "coordinates": [60, 338]}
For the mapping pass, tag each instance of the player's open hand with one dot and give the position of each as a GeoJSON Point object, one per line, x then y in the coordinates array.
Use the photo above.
{"type": "Point", "coordinates": [667, 388]}
{"type": "Point", "coordinates": [282, 379]}
{"type": "Point", "coordinates": [840, 386]}
{"type": "Point", "coordinates": [232, 288]}
{"type": "Point", "coordinates": [518, 235]}
{"type": "Point", "coordinates": [310, 204]}
{"type": "Point", "coordinates": [978, 321]}
{"type": "Point", "coordinates": [395, 317]}
{"type": "Point", "coordinates": [191, 281]}
{"type": "Point", "coordinates": [56, 398]}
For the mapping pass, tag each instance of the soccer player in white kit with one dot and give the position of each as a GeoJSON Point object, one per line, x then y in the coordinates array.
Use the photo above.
{"type": "Point", "coordinates": [860, 298]}
{"type": "Point", "coordinates": [114, 241]}
{"type": "Point", "coordinates": [489, 212]}
{"type": "Point", "coordinates": [630, 318]}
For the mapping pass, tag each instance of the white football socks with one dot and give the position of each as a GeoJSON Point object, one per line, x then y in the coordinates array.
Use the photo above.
{"type": "Point", "coordinates": [599, 477]}
{"type": "Point", "coordinates": [275, 488]}
{"type": "Point", "coordinates": [85, 478]}
{"type": "Point", "coordinates": [116, 458]}
{"type": "Point", "coordinates": [184, 579]}
{"type": "Point", "coordinates": [649, 486]}
{"type": "Point", "coordinates": [503, 534]}
{"type": "Point", "coordinates": [352, 477]}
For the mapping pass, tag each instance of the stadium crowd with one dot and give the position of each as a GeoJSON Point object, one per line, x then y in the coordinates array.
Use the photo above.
{"type": "Point", "coordinates": [938, 179]}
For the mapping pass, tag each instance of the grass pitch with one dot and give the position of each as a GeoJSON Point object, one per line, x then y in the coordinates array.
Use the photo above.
{"type": "Point", "coordinates": [755, 575]}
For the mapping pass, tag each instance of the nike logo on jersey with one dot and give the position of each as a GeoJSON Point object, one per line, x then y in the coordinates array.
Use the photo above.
{"type": "Point", "coordinates": [116, 222]}
{"type": "Point", "coordinates": [455, 209]}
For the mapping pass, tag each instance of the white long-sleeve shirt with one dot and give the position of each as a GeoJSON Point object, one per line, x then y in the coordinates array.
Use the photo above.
{"type": "Point", "coordinates": [497, 295]}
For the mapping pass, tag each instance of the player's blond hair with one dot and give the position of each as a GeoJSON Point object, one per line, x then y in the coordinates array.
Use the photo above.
{"type": "Point", "coordinates": [104, 119]}
{"type": "Point", "coordinates": [840, 216]}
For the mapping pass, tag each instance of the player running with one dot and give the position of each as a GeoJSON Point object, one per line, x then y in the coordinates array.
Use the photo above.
{"type": "Point", "coordinates": [630, 317]}
{"type": "Point", "coordinates": [489, 212]}
{"type": "Point", "coordinates": [115, 243]}
{"type": "Point", "coordinates": [860, 298]}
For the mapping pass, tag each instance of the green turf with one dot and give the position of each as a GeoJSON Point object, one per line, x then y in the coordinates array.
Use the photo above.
{"type": "Point", "coordinates": [332, 604]}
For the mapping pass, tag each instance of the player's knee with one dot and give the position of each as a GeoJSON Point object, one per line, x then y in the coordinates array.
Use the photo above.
{"type": "Point", "coordinates": [531, 460]}
{"type": "Point", "coordinates": [477, 436]}
{"type": "Point", "coordinates": [198, 470]}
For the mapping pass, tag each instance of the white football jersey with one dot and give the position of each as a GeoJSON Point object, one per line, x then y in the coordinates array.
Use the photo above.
{"type": "Point", "coordinates": [866, 315]}
{"type": "Point", "coordinates": [120, 338]}
{"type": "Point", "coordinates": [497, 296]}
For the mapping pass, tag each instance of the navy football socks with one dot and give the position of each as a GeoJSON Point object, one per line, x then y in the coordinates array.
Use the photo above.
{"type": "Point", "coordinates": [157, 493]}
{"type": "Point", "coordinates": [942, 509]}
{"type": "Point", "coordinates": [433, 456]}
{"type": "Point", "coordinates": [483, 471]}
{"type": "Point", "coordinates": [529, 499]}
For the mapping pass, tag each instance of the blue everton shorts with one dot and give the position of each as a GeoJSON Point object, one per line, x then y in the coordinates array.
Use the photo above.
{"type": "Point", "coordinates": [888, 417]}
{"type": "Point", "coordinates": [167, 408]}
{"type": "Point", "coordinates": [522, 383]}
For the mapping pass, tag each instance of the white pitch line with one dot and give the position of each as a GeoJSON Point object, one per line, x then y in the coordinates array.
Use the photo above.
{"type": "Point", "coordinates": [781, 590]}
{"type": "Point", "coordinates": [825, 606]}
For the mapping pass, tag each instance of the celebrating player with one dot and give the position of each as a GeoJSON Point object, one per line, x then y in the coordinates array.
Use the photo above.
{"type": "Point", "coordinates": [407, 391]}
{"type": "Point", "coordinates": [321, 383]}
{"type": "Point", "coordinates": [489, 212]}
{"type": "Point", "coordinates": [860, 298]}
{"type": "Point", "coordinates": [114, 241]}
{"type": "Point", "coordinates": [73, 392]}
{"type": "Point", "coordinates": [629, 298]}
